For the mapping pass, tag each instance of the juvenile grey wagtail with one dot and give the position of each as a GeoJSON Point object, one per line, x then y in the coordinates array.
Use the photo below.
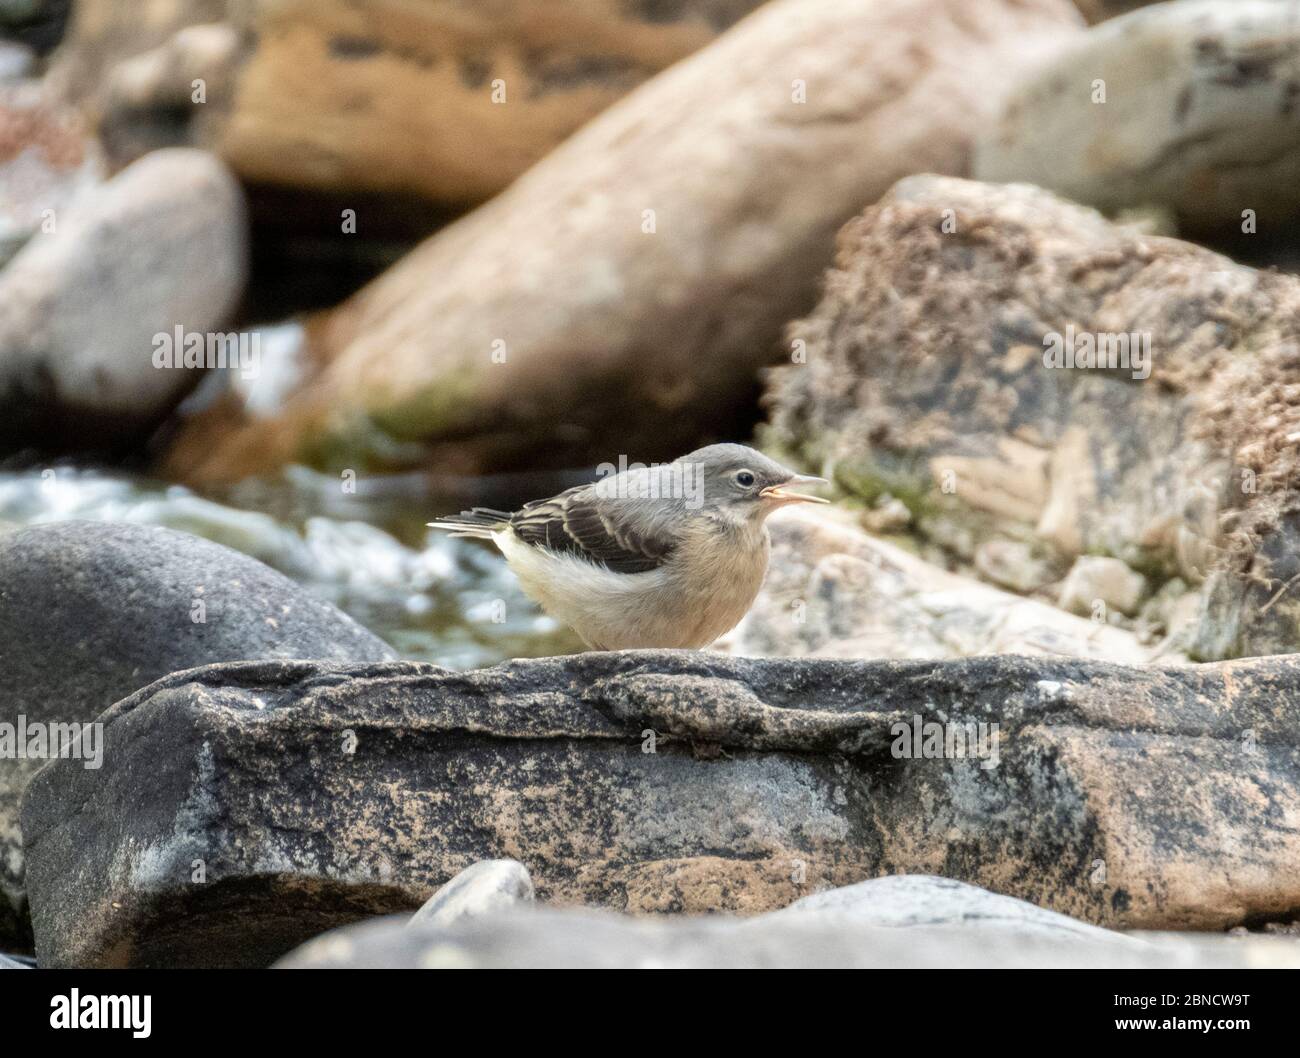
{"type": "Point", "coordinates": [660, 556]}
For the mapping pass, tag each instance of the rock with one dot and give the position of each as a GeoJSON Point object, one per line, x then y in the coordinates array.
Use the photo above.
{"type": "Point", "coordinates": [1014, 564]}
{"type": "Point", "coordinates": [833, 591]}
{"type": "Point", "coordinates": [161, 246]}
{"type": "Point", "coordinates": [889, 515]}
{"type": "Point", "coordinates": [487, 888]}
{"type": "Point", "coordinates": [577, 939]}
{"type": "Point", "coordinates": [1171, 615]}
{"type": "Point", "coordinates": [1095, 579]}
{"type": "Point", "coordinates": [89, 612]}
{"type": "Point", "coordinates": [908, 901]}
{"type": "Point", "coordinates": [642, 271]}
{"type": "Point", "coordinates": [1199, 115]}
{"type": "Point", "coordinates": [46, 159]}
{"type": "Point", "coordinates": [1186, 473]}
{"type": "Point", "coordinates": [309, 795]}
{"type": "Point", "coordinates": [335, 94]}
{"type": "Point", "coordinates": [441, 600]}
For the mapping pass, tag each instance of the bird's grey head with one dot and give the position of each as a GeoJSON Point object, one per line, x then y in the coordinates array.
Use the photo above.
{"type": "Point", "coordinates": [738, 484]}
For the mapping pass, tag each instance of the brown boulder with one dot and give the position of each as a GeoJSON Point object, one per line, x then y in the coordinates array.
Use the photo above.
{"type": "Point", "coordinates": [834, 591]}
{"type": "Point", "coordinates": [347, 95]}
{"type": "Point", "coordinates": [642, 271]}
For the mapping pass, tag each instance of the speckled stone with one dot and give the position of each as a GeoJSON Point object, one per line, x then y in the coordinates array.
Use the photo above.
{"type": "Point", "coordinates": [288, 797]}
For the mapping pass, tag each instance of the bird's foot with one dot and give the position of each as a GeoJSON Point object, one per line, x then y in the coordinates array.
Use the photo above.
{"type": "Point", "coordinates": [708, 751]}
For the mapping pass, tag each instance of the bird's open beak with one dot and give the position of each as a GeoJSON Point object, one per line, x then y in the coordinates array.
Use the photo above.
{"type": "Point", "coordinates": [781, 494]}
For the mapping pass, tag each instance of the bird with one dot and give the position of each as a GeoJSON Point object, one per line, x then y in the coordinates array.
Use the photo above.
{"type": "Point", "coordinates": [670, 555]}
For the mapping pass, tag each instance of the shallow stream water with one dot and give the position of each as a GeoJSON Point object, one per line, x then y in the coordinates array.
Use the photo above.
{"type": "Point", "coordinates": [433, 598]}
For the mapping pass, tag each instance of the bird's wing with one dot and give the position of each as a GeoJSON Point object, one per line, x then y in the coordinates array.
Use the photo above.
{"type": "Point", "coordinates": [600, 529]}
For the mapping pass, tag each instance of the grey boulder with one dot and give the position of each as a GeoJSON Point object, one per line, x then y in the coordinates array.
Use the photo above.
{"type": "Point", "coordinates": [161, 246]}
{"type": "Point", "coordinates": [903, 922]}
{"type": "Point", "coordinates": [591, 940]}
{"type": "Point", "coordinates": [907, 901]}
{"type": "Point", "coordinates": [1189, 106]}
{"type": "Point", "coordinates": [91, 611]}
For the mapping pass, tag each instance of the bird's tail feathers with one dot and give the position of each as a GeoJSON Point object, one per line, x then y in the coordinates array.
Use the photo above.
{"type": "Point", "coordinates": [479, 523]}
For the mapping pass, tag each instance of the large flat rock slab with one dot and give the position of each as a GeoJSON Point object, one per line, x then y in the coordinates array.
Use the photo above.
{"type": "Point", "coordinates": [932, 375]}
{"type": "Point", "coordinates": [244, 808]}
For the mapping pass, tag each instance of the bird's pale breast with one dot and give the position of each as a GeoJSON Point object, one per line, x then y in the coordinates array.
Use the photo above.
{"type": "Point", "coordinates": [699, 594]}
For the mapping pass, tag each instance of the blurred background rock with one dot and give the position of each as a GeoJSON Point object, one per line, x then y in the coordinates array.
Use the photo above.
{"type": "Point", "coordinates": [381, 107]}
{"type": "Point", "coordinates": [487, 247]}
{"type": "Point", "coordinates": [481, 249]}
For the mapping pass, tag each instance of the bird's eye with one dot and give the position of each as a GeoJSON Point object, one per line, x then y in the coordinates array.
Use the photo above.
{"type": "Point", "coordinates": [744, 478]}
